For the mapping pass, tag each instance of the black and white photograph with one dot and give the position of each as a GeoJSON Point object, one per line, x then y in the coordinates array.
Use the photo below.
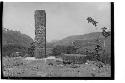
{"type": "Point", "coordinates": [57, 40]}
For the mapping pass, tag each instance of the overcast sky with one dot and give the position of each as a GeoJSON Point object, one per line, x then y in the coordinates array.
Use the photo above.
{"type": "Point", "coordinates": [62, 19]}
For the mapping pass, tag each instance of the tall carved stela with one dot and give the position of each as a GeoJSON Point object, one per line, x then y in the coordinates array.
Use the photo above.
{"type": "Point", "coordinates": [40, 33]}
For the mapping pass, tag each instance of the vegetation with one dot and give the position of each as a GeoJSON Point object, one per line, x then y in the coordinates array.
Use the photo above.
{"type": "Point", "coordinates": [14, 41]}
{"type": "Point", "coordinates": [105, 56]}
{"type": "Point", "coordinates": [74, 58]}
{"type": "Point", "coordinates": [11, 49]}
{"type": "Point", "coordinates": [19, 67]}
{"type": "Point", "coordinates": [31, 49]}
{"type": "Point", "coordinates": [96, 46]}
{"type": "Point", "coordinates": [58, 50]}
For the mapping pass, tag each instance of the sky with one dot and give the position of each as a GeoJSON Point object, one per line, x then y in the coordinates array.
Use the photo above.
{"type": "Point", "coordinates": [63, 19]}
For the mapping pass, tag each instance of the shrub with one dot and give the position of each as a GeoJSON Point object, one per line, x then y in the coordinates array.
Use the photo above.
{"type": "Point", "coordinates": [58, 50]}
{"type": "Point", "coordinates": [74, 58]}
{"type": "Point", "coordinates": [7, 50]}
{"type": "Point", "coordinates": [103, 57]}
{"type": "Point", "coordinates": [31, 49]}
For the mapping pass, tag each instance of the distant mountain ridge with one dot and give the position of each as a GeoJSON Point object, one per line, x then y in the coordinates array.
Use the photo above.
{"type": "Point", "coordinates": [83, 42]}
{"type": "Point", "coordinates": [85, 38]}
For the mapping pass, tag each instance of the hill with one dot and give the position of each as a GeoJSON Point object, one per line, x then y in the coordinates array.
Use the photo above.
{"type": "Point", "coordinates": [15, 41]}
{"type": "Point", "coordinates": [85, 39]}
{"type": "Point", "coordinates": [15, 37]}
{"type": "Point", "coordinates": [82, 42]}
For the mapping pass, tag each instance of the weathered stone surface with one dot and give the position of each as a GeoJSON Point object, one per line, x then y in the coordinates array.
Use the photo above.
{"type": "Point", "coordinates": [40, 33]}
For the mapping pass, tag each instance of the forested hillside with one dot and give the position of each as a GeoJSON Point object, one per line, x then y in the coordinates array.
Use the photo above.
{"type": "Point", "coordinates": [14, 41]}
{"type": "Point", "coordinates": [84, 40]}
{"type": "Point", "coordinates": [15, 37]}
{"type": "Point", "coordinates": [82, 44]}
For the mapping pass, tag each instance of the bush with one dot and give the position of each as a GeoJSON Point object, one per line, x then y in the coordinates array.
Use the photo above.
{"type": "Point", "coordinates": [70, 50]}
{"type": "Point", "coordinates": [103, 57]}
{"type": "Point", "coordinates": [31, 49]}
{"type": "Point", "coordinates": [74, 58]}
{"type": "Point", "coordinates": [58, 50]}
{"type": "Point", "coordinates": [8, 50]}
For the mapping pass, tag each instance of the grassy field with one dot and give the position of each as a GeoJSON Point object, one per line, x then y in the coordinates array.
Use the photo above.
{"type": "Point", "coordinates": [21, 67]}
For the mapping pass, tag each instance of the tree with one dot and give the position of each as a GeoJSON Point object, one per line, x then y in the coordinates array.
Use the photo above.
{"type": "Point", "coordinates": [105, 33]}
{"type": "Point", "coordinates": [9, 49]}
{"type": "Point", "coordinates": [104, 58]}
{"type": "Point", "coordinates": [71, 50]}
{"type": "Point", "coordinates": [58, 50]}
{"type": "Point", "coordinates": [31, 49]}
{"type": "Point", "coordinates": [91, 20]}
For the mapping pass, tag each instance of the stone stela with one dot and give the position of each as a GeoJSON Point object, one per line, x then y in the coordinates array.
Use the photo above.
{"type": "Point", "coordinates": [40, 33]}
